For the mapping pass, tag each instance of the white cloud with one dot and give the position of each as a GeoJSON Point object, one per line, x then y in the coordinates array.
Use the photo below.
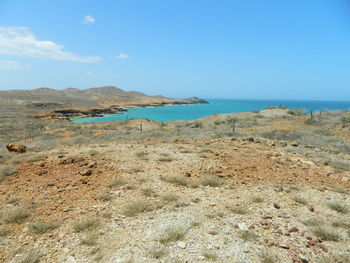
{"type": "Point", "coordinates": [11, 65]}
{"type": "Point", "coordinates": [122, 56]}
{"type": "Point", "coordinates": [88, 20]}
{"type": "Point", "coordinates": [20, 41]}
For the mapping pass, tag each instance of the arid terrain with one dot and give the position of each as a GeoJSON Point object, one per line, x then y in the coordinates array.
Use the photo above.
{"type": "Point", "coordinates": [265, 186]}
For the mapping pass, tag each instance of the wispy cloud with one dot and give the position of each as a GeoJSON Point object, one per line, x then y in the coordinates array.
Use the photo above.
{"type": "Point", "coordinates": [21, 41]}
{"type": "Point", "coordinates": [11, 65]}
{"type": "Point", "coordinates": [122, 56]}
{"type": "Point", "coordinates": [88, 20]}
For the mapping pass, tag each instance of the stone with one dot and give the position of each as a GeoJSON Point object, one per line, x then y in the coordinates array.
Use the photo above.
{"type": "Point", "coordinates": [277, 206]}
{"type": "Point", "coordinates": [181, 245]}
{"type": "Point", "coordinates": [15, 147]}
{"type": "Point", "coordinates": [293, 230]}
{"type": "Point", "coordinates": [86, 172]}
{"type": "Point", "coordinates": [42, 173]}
{"type": "Point", "coordinates": [285, 246]}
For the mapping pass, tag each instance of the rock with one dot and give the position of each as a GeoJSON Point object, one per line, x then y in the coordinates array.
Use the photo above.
{"type": "Point", "coordinates": [323, 247]}
{"type": "Point", "coordinates": [87, 172]}
{"type": "Point", "coordinates": [294, 144]}
{"type": "Point", "coordinates": [285, 246]}
{"type": "Point", "coordinates": [15, 147]}
{"type": "Point", "coordinates": [242, 227]}
{"type": "Point", "coordinates": [181, 245]}
{"type": "Point", "coordinates": [277, 206]}
{"type": "Point", "coordinates": [92, 164]}
{"type": "Point", "coordinates": [42, 173]}
{"type": "Point", "coordinates": [293, 230]}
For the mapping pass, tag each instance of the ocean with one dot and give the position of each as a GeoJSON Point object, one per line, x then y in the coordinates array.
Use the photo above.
{"type": "Point", "coordinates": [215, 106]}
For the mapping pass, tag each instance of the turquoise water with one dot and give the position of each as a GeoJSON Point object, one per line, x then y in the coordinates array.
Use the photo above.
{"type": "Point", "coordinates": [215, 106]}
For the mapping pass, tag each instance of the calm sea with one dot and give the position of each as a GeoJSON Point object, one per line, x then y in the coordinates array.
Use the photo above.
{"type": "Point", "coordinates": [215, 106]}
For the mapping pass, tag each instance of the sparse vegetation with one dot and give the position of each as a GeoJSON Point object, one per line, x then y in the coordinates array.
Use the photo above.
{"type": "Point", "coordinates": [136, 208]}
{"type": "Point", "coordinates": [237, 210]}
{"type": "Point", "coordinates": [299, 200]}
{"type": "Point", "coordinates": [149, 192]}
{"type": "Point", "coordinates": [5, 231]}
{"type": "Point", "coordinates": [31, 257]}
{"type": "Point", "coordinates": [158, 253]}
{"type": "Point", "coordinates": [41, 227]}
{"type": "Point", "coordinates": [340, 190]}
{"type": "Point", "coordinates": [172, 234]}
{"type": "Point", "coordinates": [116, 182]}
{"type": "Point", "coordinates": [247, 235]}
{"type": "Point", "coordinates": [338, 208]}
{"type": "Point", "coordinates": [86, 224]}
{"type": "Point", "coordinates": [209, 255]}
{"type": "Point", "coordinates": [326, 233]}
{"type": "Point", "coordinates": [313, 222]}
{"type": "Point", "coordinates": [165, 159]}
{"type": "Point", "coordinates": [180, 180]}
{"type": "Point", "coordinates": [13, 200]}
{"type": "Point", "coordinates": [105, 197]}
{"type": "Point", "coordinates": [267, 257]}
{"type": "Point", "coordinates": [89, 240]}
{"type": "Point", "coordinates": [170, 197]}
{"type": "Point", "coordinates": [16, 216]}
{"type": "Point", "coordinates": [257, 199]}
{"type": "Point", "coordinates": [211, 180]}
{"type": "Point", "coordinates": [7, 171]}
{"type": "Point", "coordinates": [142, 154]}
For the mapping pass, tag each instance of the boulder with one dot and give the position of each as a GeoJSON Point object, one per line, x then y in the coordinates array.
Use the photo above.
{"type": "Point", "coordinates": [14, 147]}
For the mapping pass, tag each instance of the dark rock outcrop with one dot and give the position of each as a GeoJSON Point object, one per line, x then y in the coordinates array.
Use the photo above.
{"type": "Point", "coordinates": [15, 147]}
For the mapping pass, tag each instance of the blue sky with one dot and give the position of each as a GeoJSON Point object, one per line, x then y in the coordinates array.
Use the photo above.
{"type": "Point", "coordinates": [271, 49]}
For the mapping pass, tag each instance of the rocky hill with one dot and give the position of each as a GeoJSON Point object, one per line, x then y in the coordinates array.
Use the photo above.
{"type": "Point", "coordinates": [45, 99]}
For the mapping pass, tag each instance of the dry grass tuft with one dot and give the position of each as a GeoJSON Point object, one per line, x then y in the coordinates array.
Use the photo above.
{"type": "Point", "coordinates": [342, 224]}
{"type": "Point", "coordinates": [16, 216]}
{"type": "Point", "coordinates": [7, 171]}
{"type": "Point", "coordinates": [338, 208]}
{"type": "Point", "coordinates": [237, 210]}
{"type": "Point", "coordinates": [13, 201]}
{"type": "Point", "coordinates": [267, 257]}
{"type": "Point", "coordinates": [257, 199]}
{"type": "Point", "coordinates": [105, 197]}
{"type": "Point", "coordinates": [41, 227]}
{"type": "Point", "coordinates": [116, 182]}
{"type": "Point", "coordinates": [142, 155]}
{"type": "Point", "coordinates": [86, 224]}
{"type": "Point", "coordinates": [172, 234]}
{"type": "Point", "coordinates": [158, 253]}
{"type": "Point", "coordinates": [136, 208]}
{"type": "Point", "coordinates": [299, 200]}
{"type": "Point", "coordinates": [5, 231]}
{"type": "Point", "coordinates": [340, 190]}
{"type": "Point", "coordinates": [211, 256]}
{"type": "Point", "coordinates": [179, 180]}
{"type": "Point", "coordinates": [211, 180]}
{"type": "Point", "coordinates": [170, 197]}
{"type": "Point", "coordinates": [89, 240]}
{"type": "Point", "coordinates": [31, 257]}
{"type": "Point", "coordinates": [149, 192]}
{"type": "Point", "coordinates": [165, 159]}
{"type": "Point", "coordinates": [313, 222]}
{"type": "Point", "coordinates": [247, 235]}
{"type": "Point", "coordinates": [326, 233]}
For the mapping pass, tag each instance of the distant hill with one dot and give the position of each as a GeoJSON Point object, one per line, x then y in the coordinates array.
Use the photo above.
{"type": "Point", "coordinates": [45, 99]}
{"type": "Point", "coordinates": [71, 97]}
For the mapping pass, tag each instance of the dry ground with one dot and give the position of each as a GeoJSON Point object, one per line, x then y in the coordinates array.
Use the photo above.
{"type": "Point", "coordinates": [223, 200]}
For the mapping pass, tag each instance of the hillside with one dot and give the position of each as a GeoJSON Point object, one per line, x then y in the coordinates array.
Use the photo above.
{"type": "Point", "coordinates": [45, 99]}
